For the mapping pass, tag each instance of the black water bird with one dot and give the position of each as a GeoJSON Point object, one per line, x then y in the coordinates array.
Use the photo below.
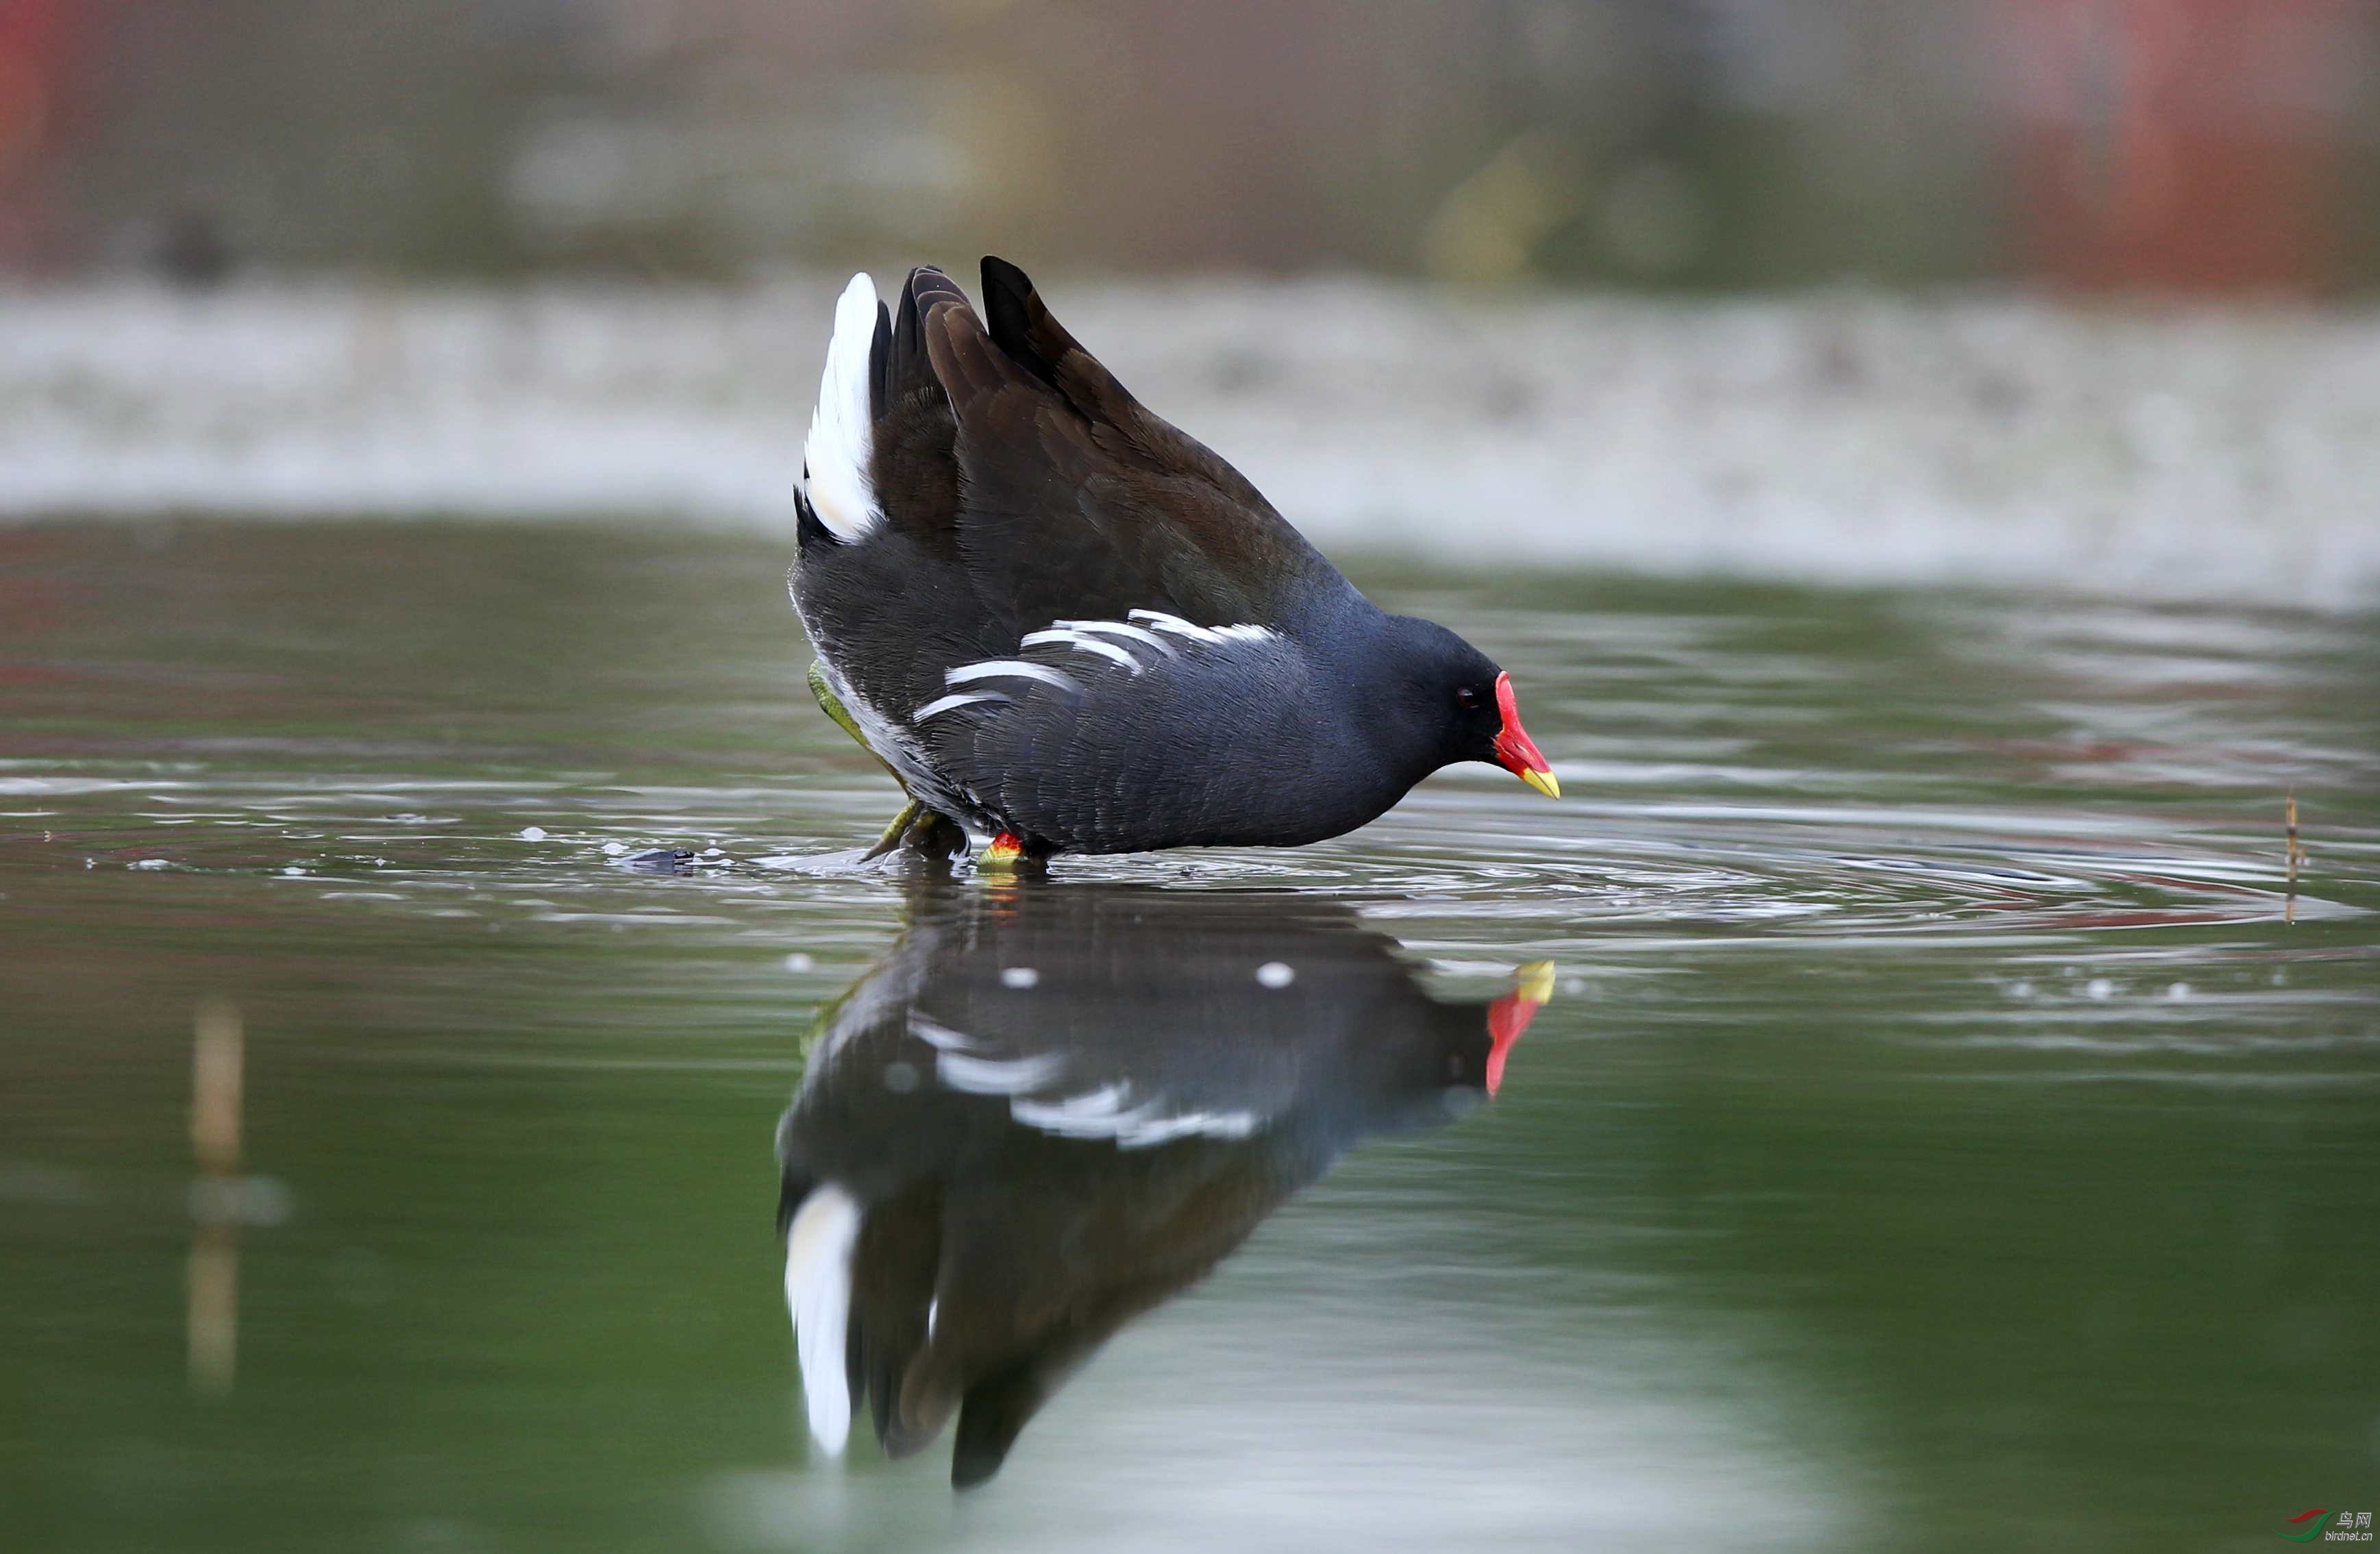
{"type": "Point", "coordinates": [1061, 622]}
{"type": "Point", "coordinates": [1045, 1113]}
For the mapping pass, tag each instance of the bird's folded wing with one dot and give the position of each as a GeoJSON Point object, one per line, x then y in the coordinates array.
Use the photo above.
{"type": "Point", "coordinates": [1093, 726]}
{"type": "Point", "coordinates": [1076, 500]}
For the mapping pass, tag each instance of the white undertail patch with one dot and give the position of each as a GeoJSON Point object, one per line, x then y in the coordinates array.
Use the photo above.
{"type": "Point", "coordinates": [817, 1293]}
{"type": "Point", "coordinates": [842, 444]}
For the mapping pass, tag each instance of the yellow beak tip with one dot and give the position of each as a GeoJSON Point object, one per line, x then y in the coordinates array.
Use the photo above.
{"type": "Point", "coordinates": [1535, 981]}
{"type": "Point", "coordinates": [1543, 781]}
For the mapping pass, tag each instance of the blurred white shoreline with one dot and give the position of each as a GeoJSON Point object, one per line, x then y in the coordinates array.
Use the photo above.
{"type": "Point", "coordinates": [2215, 453]}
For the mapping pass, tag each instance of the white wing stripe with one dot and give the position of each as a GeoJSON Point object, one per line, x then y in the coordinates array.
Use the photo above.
{"type": "Point", "coordinates": [997, 668]}
{"type": "Point", "coordinates": [1083, 640]}
{"type": "Point", "coordinates": [1209, 635]}
{"type": "Point", "coordinates": [1082, 636]}
{"type": "Point", "coordinates": [953, 702]}
{"type": "Point", "coordinates": [1118, 628]}
{"type": "Point", "coordinates": [1176, 625]}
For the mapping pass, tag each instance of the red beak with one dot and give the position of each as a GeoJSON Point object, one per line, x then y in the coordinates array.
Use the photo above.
{"type": "Point", "coordinates": [1515, 750]}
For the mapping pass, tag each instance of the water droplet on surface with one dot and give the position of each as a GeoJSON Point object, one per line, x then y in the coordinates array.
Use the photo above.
{"type": "Point", "coordinates": [2100, 988]}
{"type": "Point", "coordinates": [614, 849]}
{"type": "Point", "coordinates": [1019, 977]}
{"type": "Point", "coordinates": [2020, 990]}
{"type": "Point", "coordinates": [798, 961]}
{"type": "Point", "coordinates": [1275, 974]}
{"type": "Point", "coordinates": [532, 834]}
{"type": "Point", "coordinates": [2179, 991]}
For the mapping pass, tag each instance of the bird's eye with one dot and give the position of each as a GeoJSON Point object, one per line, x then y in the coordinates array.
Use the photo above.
{"type": "Point", "coordinates": [1468, 697]}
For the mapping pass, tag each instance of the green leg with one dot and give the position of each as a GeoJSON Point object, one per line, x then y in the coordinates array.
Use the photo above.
{"type": "Point", "coordinates": [922, 829]}
{"type": "Point", "coordinates": [910, 814]}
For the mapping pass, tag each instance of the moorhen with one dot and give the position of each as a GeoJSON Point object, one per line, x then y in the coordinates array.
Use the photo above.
{"type": "Point", "coordinates": [1062, 623]}
{"type": "Point", "coordinates": [1047, 1111]}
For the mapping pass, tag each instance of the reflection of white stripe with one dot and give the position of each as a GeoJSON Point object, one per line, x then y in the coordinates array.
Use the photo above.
{"type": "Point", "coordinates": [996, 1076]}
{"type": "Point", "coordinates": [997, 668]}
{"type": "Point", "coordinates": [956, 701]}
{"type": "Point", "coordinates": [1083, 640]}
{"type": "Point", "coordinates": [940, 1037]}
{"type": "Point", "coordinates": [1204, 1125]}
{"type": "Point", "coordinates": [1101, 1113]}
{"type": "Point", "coordinates": [817, 1293]}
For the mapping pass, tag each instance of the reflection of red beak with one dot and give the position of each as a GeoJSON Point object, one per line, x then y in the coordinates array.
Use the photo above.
{"type": "Point", "coordinates": [1516, 749]}
{"type": "Point", "coordinates": [1510, 1016]}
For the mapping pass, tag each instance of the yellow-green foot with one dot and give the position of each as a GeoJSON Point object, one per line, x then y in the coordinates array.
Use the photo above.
{"type": "Point", "coordinates": [926, 832]}
{"type": "Point", "coordinates": [894, 833]}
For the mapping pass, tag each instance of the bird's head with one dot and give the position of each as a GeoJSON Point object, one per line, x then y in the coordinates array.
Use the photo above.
{"type": "Point", "coordinates": [1451, 703]}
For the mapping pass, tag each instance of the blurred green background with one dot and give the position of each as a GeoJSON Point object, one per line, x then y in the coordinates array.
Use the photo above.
{"type": "Point", "coordinates": [2204, 145]}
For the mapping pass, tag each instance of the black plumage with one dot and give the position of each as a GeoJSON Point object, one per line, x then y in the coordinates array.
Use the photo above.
{"type": "Point", "coordinates": [1052, 1111]}
{"type": "Point", "coordinates": [1056, 615]}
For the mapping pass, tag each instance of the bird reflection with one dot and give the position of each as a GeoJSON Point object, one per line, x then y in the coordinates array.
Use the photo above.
{"type": "Point", "coordinates": [1047, 1110]}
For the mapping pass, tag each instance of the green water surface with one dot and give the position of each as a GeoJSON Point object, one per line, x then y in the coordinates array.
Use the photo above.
{"type": "Point", "coordinates": [1939, 1137]}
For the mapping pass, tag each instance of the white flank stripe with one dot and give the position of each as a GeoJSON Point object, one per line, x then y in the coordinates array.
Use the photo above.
{"type": "Point", "coordinates": [1083, 640]}
{"type": "Point", "coordinates": [996, 1076]}
{"type": "Point", "coordinates": [841, 439]}
{"type": "Point", "coordinates": [1174, 623]}
{"type": "Point", "coordinates": [995, 668]}
{"type": "Point", "coordinates": [940, 705]}
{"type": "Point", "coordinates": [1207, 634]}
{"type": "Point", "coordinates": [1118, 628]}
{"type": "Point", "coordinates": [1149, 1134]}
{"type": "Point", "coordinates": [940, 1037]}
{"type": "Point", "coordinates": [1103, 1113]}
{"type": "Point", "coordinates": [817, 1293]}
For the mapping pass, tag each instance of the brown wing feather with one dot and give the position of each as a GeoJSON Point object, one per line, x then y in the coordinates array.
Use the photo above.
{"type": "Point", "coordinates": [1022, 324]}
{"type": "Point", "coordinates": [1076, 501]}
